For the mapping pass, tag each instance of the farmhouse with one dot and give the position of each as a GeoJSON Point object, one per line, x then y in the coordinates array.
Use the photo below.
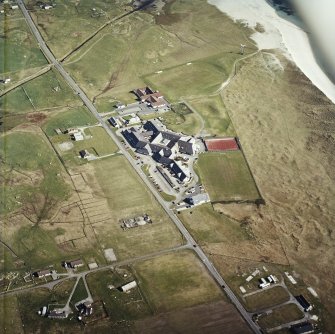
{"type": "Point", "coordinates": [77, 136]}
{"type": "Point", "coordinates": [42, 273]}
{"type": "Point", "coordinates": [57, 314]}
{"type": "Point", "coordinates": [74, 264]}
{"type": "Point", "coordinates": [153, 98]}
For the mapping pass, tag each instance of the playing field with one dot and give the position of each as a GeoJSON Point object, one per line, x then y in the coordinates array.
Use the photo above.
{"type": "Point", "coordinates": [226, 177]}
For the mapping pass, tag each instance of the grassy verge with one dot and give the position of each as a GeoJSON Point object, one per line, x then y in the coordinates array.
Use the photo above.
{"type": "Point", "coordinates": [80, 293]}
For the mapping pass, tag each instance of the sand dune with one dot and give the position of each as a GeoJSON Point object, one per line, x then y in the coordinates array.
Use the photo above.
{"type": "Point", "coordinates": [281, 32]}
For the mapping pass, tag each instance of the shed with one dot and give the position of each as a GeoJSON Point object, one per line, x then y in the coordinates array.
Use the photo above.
{"type": "Point", "coordinates": [302, 328]}
{"type": "Point", "coordinates": [128, 286]}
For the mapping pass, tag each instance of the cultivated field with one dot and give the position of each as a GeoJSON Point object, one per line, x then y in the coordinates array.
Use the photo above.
{"type": "Point", "coordinates": [226, 177]}
{"type": "Point", "coordinates": [10, 321]}
{"type": "Point", "coordinates": [113, 178]}
{"type": "Point", "coordinates": [213, 318]}
{"type": "Point", "coordinates": [175, 281]}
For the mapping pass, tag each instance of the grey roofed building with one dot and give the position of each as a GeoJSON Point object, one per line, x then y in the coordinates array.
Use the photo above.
{"type": "Point", "coordinates": [151, 126]}
{"type": "Point", "coordinates": [186, 147]}
{"type": "Point", "coordinates": [163, 151]}
{"type": "Point", "coordinates": [134, 138]}
{"type": "Point", "coordinates": [180, 174]}
{"type": "Point", "coordinates": [142, 150]}
{"type": "Point", "coordinates": [302, 328]}
{"type": "Point", "coordinates": [162, 159]}
{"type": "Point", "coordinates": [198, 199]}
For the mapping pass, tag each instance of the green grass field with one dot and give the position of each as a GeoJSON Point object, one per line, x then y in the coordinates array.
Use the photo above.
{"type": "Point", "coordinates": [151, 47]}
{"type": "Point", "coordinates": [80, 293]}
{"type": "Point", "coordinates": [226, 176]}
{"type": "Point", "coordinates": [98, 143]}
{"type": "Point", "coordinates": [280, 316]}
{"type": "Point", "coordinates": [214, 114]}
{"type": "Point", "coordinates": [199, 78]}
{"type": "Point", "coordinates": [266, 298]}
{"type": "Point", "coordinates": [31, 302]}
{"type": "Point", "coordinates": [127, 197]}
{"type": "Point", "coordinates": [78, 116]}
{"type": "Point", "coordinates": [40, 159]}
{"type": "Point", "coordinates": [10, 320]}
{"type": "Point", "coordinates": [46, 92]}
{"type": "Point", "coordinates": [19, 49]}
{"type": "Point", "coordinates": [181, 119]}
{"type": "Point", "coordinates": [208, 226]}
{"type": "Point", "coordinates": [120, 306]}
{"type": "Point", "coordinates": [175, 281]}
{"type": "Point", "coordinates": [68, 24]}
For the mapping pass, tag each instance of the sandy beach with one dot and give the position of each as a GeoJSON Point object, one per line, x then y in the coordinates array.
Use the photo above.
{"type": "Point", "coordinates": [281, 32]}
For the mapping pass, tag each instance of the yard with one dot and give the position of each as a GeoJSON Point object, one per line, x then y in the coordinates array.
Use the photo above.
{"type": "Point", "coordinates": [120, 306]}
{"type": "Point", "coordinates": [267, 298]}
{"type": "Point", "coordinates": [78, 116]}
{"type": "Point", "coordinates": [97, 142]}
{"type": "Point", "coordinates": [226, 177]}
{"type": "Point", "coordinates": [127, 197]}
{"type": "Point", "coordinates": [175, 281]}
{"type": "Point", "coordinates": [280, 316]}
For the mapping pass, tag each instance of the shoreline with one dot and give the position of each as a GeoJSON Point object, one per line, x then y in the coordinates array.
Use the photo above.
{"type": "Point", "coordinates": [282, 31]}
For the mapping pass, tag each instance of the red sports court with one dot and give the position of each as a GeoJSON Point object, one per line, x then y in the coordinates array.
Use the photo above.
{"type": "Point", "coordinates": [221, 144]}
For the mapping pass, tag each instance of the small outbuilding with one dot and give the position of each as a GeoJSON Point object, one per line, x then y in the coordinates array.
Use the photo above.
{"type": "Point", "coordinates": [128, 286]}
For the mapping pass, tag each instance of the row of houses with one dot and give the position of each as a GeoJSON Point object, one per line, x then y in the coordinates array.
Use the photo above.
{"type": "Point", "coordinates": [67, 264]}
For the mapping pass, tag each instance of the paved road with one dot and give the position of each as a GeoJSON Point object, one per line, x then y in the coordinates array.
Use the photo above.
{"type": "Point", "coordinates": [48, 54]}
